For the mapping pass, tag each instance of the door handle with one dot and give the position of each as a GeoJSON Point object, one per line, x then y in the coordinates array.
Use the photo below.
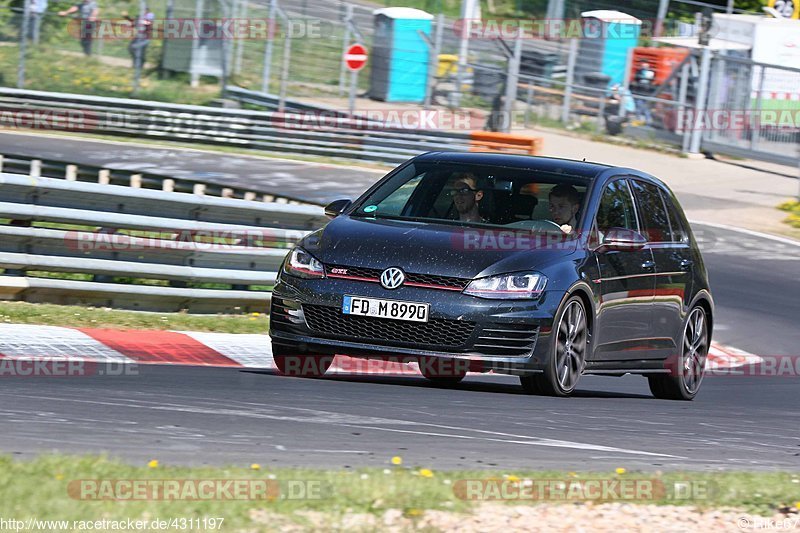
{"type": "Point", "coordinates": [648, 265]}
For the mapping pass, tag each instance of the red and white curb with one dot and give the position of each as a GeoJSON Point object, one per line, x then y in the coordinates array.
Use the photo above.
{"type": "Point", "coordinates": [55, 343]}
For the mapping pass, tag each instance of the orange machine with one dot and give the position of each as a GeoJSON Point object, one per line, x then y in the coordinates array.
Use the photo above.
{"type": "Point", "coordinates": [662, 60]}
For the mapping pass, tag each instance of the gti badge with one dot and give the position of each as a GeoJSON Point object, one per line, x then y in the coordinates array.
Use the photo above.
{"type": "Point", "coordinates": [392, 278]}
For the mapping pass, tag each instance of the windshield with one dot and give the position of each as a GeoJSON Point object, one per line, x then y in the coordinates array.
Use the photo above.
{"type": "Point", "coordinates": [479, 195]}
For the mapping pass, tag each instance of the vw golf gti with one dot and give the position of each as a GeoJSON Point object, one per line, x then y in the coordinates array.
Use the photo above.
{"type": "Point", "coordinates": [542, 268]}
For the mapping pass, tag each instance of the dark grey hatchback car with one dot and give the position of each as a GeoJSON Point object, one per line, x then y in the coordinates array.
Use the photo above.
{"type": "Point", "coordinates": [542, 268]}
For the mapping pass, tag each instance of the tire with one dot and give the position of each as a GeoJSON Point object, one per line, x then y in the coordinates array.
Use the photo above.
{"type": "Point", "coordinates": [443, 372]}
{"type": "Point", "coordinates": [299, 364]}
{"type": "Point", "coordinates": [688, 370]}
{"type": "Point", "coordinates": [567, 357]}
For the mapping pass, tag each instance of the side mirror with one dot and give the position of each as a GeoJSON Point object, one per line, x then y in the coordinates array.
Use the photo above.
{"type": "Point", "coordinates": [622, 240]}
{"type": "Point", "coordinates": [335, 208]}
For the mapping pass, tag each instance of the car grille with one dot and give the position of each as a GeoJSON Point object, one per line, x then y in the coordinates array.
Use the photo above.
{"type": "Point", "coordinates": [429, 280]}
{"type": "Point", "coordinates": [283, 317]}
{"type": "Point", "coordinates": [438, 333]}
{"type": "Point", "coordinates": [507, 340]}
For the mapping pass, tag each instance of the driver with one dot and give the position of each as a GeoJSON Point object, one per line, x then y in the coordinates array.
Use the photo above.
{"type": "Point", "coordinates": [466, 197]}
{"type": "Point", "coordinates": [564, 204]}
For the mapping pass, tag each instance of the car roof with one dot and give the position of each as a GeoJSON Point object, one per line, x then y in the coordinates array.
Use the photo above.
{"type": "Point", "coordinates": [571, 167]}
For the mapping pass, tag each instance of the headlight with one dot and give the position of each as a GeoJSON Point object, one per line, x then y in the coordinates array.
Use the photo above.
{"type": "Point", "coordinates": [303, 265]}
{"type": "Point", "coordinates": [507, 286]}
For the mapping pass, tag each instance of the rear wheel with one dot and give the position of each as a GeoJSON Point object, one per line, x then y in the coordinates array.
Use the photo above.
{"type": "Point", "coordinates": [688, 373]}
{"type": "Point", "coordinates": [298, 364]}
{"type": "Point", "coordinates": [568, 353]}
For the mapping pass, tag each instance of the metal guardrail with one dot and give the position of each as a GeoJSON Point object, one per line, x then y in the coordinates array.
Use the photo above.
{"type": "Point", "coordinates": [271, 102]}
{"type": "Point", "coordinates": [93, 244]}
{"type": "Point", "coordinates": [257, 130]}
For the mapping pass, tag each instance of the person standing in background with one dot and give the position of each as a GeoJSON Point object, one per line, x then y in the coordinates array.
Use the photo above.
{"type": "Point", "coordinates": [87, 14]}
{"type": "Point", "coordinates": [643, 85]}
{"type": "Point", "coordinates": [38, 7]}
{"type": "Point", "coordinates": [142, 32]}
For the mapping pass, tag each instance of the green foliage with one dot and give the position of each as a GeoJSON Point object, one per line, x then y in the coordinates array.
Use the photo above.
{"type": "Point", "coordinates": [793, 208]}
{"type": "Point", "coordinates": [75, 316]}
{"type": "Point", "coordinates": [39, 488]}
{"type": "Point", "coordinates": [69, 71]}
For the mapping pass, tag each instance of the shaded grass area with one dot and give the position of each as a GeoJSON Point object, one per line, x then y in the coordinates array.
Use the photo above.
{"type": "Point", "coordinates": [93, 317]}
{"type": "Point", "coordinates": [50, 487]}
{"type": "Point", "coordinates": [793, 208]}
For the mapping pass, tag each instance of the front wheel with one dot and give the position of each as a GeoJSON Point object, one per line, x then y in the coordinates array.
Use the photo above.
{"type": "Point", "coordinates": [301, 364]}
{"type": "Point", "coordinates": [443, 372]}
{"type": "Point", "coordinates": [567, 355]}
{"type": "Point", "coordinates": [687, 375]}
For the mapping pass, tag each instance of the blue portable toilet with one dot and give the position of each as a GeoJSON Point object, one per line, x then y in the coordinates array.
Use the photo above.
{"type": "Point", "coordinates": [606, 38]}
{"type": "Point", "coordinates": [400, 57]}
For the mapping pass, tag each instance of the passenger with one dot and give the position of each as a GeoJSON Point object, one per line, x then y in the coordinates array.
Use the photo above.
{"type": "Point", "coordinates": [467, 197]}
{"type": "Point", "coordinates": [565, 201]}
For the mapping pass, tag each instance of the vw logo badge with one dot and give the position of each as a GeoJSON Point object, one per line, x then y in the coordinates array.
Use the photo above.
{"type": "Point", "coordinates": [392, 278]}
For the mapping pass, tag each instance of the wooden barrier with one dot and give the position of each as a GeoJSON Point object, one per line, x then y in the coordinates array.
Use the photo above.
{"type": "Point", "coordinates": [482, 141]}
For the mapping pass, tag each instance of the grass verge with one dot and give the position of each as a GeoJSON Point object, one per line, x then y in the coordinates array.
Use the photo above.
{"type": "Point", "coordinates": [793, 208]}
{"type": "Point", "coordinates": [50, 487]}
{"type": "Point", "coordinates": [103, 317]}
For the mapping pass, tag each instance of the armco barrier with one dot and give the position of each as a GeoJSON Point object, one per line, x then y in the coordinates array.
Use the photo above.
{"type": "Point", "coordinates": [108, 245]}
{"type": "Point", "coordinates": [257, 130]}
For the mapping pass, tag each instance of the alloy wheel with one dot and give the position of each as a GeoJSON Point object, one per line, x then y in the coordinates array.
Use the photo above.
{"type": "Point", "coordinates": [571, 341]}
{"type": "Point", "coordinates": [695, 350]}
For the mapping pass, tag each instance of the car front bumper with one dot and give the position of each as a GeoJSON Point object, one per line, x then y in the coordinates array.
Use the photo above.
{"type": "Point", "coordinates": [506, 336]}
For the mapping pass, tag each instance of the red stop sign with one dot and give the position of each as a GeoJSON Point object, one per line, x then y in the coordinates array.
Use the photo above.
{"type": "Point", "coordinates": [356, 57]}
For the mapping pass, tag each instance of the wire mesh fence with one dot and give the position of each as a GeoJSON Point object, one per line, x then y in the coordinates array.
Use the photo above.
{"type": "Point", "coordinates": [754, 106]}
{"type": "Point", "coordinates": [294, 48]}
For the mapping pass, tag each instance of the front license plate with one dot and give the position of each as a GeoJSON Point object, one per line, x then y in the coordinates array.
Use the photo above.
{"type": "Point", "coordinates": [393, 309]}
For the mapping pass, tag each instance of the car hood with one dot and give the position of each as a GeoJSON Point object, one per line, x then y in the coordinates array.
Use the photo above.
{"type": "Point", "coordinates": [429, 248]}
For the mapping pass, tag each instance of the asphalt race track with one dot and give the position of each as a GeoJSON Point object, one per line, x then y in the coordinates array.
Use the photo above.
{"type": "Point", "coordinates": [215, 415]}
{"type": "Point", "coordinates": [221, 416]}
{"type": "Point", "coordinates": [312, 182]}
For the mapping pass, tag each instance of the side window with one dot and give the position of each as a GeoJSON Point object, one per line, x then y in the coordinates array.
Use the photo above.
{"type": "Point", "coordinates": [616, 208]}
{"type": "Point", "coordinates": [679, 233]}
{"type": "Point", "coordinates": [652, 212]}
